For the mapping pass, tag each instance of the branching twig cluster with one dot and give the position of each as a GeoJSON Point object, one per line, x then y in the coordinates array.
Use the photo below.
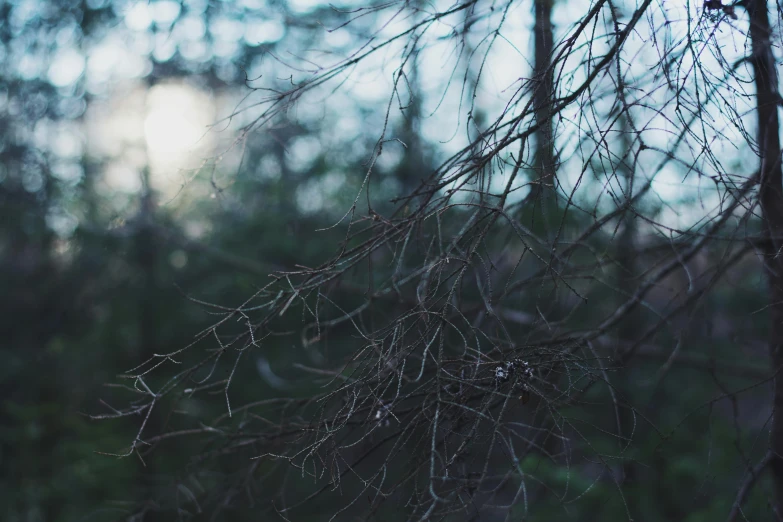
{"type": "Point", "coordinates": [481, 322]}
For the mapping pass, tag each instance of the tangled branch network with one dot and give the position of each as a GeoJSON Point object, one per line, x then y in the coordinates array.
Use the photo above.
{"type": "Point", "coordinates": [473, 339]}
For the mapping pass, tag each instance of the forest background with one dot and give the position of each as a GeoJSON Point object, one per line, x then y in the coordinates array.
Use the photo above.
{"type": "Point", "coordinates": [195, 327]}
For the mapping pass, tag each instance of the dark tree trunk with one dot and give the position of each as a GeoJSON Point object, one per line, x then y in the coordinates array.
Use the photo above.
{"type": "Point", "coordinates": [771, 200]}
{"type": "Point", "coordinates": [543, 42]}
{"type": "Point", "coordinates": [413, 167]}
{"type": "Point", "coordinates": [542, 191]}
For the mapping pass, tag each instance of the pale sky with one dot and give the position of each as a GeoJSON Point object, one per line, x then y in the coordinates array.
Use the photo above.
{"type": "Point", "coordinates": [167, 126]}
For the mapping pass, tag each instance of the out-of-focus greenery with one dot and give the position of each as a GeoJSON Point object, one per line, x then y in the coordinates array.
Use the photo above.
{"type": "Point", "coordinates": [88, 291]}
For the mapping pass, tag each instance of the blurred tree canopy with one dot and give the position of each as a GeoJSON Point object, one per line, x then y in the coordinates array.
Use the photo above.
{"type": "Point", "coordinates": [390, 261]}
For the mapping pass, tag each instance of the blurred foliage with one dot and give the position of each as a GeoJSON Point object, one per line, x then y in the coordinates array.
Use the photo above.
{"type": "Point", "coordinates": [88, 293]}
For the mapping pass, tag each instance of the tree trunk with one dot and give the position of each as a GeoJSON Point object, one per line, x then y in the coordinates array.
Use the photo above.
{"type": "Point", "coordinates": [543, 193]}
{"type": "Point", "coordinates": [771, 200]}
{"type": "Point", "coordinates": [543, 41]}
